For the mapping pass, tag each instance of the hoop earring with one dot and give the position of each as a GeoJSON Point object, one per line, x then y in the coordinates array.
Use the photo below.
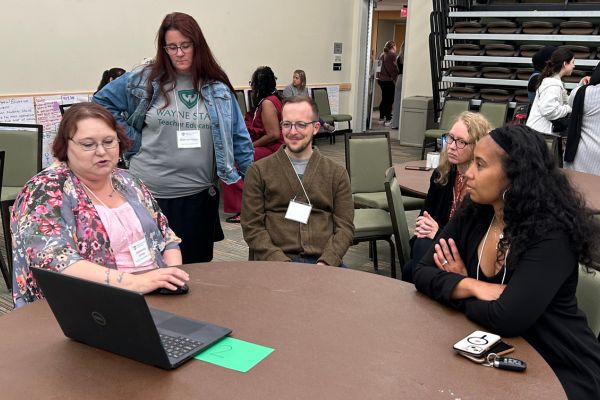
{"type": "Point", "coordinates": [504, 195]}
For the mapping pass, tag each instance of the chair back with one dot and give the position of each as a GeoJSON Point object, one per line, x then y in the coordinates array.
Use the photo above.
{"type": "Point", "coordinates": [451, 110]}
{"type": "Point", "coordinates": [63, 108]}
{"type": "Point", "coordinates": [22, 144]}
{"type": "Point", "coordinates": [368, 156]}
{"type": "Point", "coordinates": [241, 99]}
{"type": "Point", "coordinates": [495, 113]}
{"type": "Point", "coordinates": [321, 98]}
{"type": "Point", "coordinates": [588, 297]}
{"type": "Point", "coordinates": [398, 215]}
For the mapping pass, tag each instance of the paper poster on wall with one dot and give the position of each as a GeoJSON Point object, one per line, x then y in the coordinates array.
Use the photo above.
{"type": "Point", "coordinates": [18, 110]}
{"type": "Point", "coordinates": [47, 111]}
{"type": "Point", "coordinates": [75, 98]}
{"type": "Point", "coordinates": [333, 92]}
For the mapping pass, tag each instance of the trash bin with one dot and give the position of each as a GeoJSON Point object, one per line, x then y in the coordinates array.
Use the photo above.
{"type": "Point", "coordinates": [417, 117]}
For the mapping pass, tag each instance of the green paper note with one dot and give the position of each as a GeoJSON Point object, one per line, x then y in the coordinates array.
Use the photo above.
{"type": "Point", "coordinates": [234, 354]}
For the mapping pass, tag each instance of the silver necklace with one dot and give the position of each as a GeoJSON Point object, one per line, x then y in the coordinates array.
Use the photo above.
{"type": "Point", "coordinates": [481, 252]}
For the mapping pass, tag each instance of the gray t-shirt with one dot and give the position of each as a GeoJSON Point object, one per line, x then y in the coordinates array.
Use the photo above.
{"type": "Point", "coordinates": [167, 170]}
{"type": "Point", "coordinates": [299, 166]}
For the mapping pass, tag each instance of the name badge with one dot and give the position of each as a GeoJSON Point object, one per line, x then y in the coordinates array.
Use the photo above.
{"type": "Point", "coordinates": [140, 252]}
{"type": "Point", "coordinates": [188, 139]}
{"type": "Point", "coordinates": [298, 212]}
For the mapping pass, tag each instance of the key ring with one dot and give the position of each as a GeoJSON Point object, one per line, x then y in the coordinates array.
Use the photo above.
{"type": "Point", "coordinates": [489, 360]}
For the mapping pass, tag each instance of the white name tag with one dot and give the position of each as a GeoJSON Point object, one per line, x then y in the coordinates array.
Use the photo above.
{"type": "Point", "coordinates": [140, 252]}
{"type": "Point", "coordinates": [298, 212]}
{"type": "Point", "coordinates": [189, 139]}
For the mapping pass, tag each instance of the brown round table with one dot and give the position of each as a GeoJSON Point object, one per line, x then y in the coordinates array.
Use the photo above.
{"type": "Point", "coordinates": [337, 334]}
{"type": "Point", "coordinates": [416, 183]}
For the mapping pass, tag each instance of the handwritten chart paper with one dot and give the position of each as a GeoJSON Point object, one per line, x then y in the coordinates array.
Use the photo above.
{"type": "Point", "coordinates": [47, 110]}
{"type": "Point", "coordinates": [18, 110]}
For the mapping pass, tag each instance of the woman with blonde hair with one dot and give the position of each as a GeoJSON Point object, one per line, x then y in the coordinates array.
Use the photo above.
{"type": "Point", "coordinates": [298, 85]}
{"type": "Point", "coordinates": [447, 184]}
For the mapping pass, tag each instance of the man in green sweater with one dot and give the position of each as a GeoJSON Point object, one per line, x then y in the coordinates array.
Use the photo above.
{"type": "Point", "coordinates": [297, 204]}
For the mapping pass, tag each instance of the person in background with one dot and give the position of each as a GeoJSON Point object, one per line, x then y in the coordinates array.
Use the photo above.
{"type": "Point", "coordinates": [298, 85]}
{"type": "Point", "coordinates": [109, 75]}
{"type": "Point", "coordinates": [509, 258]}
{"type": "Point", "coordinates": [582, 152]}
{"type": "Point", "coordinates": [539, 60]}
{"type": "Point", "coordinates": [297, 177]}
{"type": "Point", "coordinates": [298, 88]}
{"type": "Point", "coordinates": [262, 121]}
{"type": "Point", "coordinates": [187, 129]}
{"type": "Point", "coordinates": [447, 185]}
{"type": "Point", "coordinates": [386, 78]}
{"type": "Point", "coordinates": [83, 217]}
{"type": "Point", "coordinates": [398, 89]}
{"type": "Point", "coordinates": [551, 101]}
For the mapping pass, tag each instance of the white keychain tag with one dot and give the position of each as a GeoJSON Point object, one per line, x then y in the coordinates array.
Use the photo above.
{"type": "Point", "coordinates": [188, 139]}
{"type": "Point", "coordinates": [298, 212]}
{"type": "Point", "coordinates": [140, 252]}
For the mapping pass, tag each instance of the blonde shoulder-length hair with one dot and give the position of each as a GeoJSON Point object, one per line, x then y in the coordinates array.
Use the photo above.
{"type": "Point", "coordinates": [477, 126]}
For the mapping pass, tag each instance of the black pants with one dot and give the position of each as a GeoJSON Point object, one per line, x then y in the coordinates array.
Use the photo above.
{"type": "Point", "coordinates": [195, 219]}
{"type": "Point", "coordinates": [387, 99]}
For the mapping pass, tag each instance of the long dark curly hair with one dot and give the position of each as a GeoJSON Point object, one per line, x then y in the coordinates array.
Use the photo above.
{"type": "Point", "coordinates": [264, 83]}
{"type": "Point", "coordinates": [539, 199]}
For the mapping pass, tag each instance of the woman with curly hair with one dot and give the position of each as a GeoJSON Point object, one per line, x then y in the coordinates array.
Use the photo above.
{"type": "Point", "coordinates": [447, 184]}
{"type": "Point", "coordinates": [509, 259]}
{"type": "Point", "coordinates": [262, 122]}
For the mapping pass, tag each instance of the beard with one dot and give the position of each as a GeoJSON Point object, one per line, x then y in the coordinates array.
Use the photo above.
{"type": "Point", "coordinates": [301, 147]}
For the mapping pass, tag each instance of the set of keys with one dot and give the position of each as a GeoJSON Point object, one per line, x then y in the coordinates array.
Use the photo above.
{"type": "Point", "coordinates": [508, 363]}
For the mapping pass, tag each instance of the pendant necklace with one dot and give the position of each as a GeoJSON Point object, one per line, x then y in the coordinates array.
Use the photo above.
{"type": "Point", "coordinates": [483, 246]}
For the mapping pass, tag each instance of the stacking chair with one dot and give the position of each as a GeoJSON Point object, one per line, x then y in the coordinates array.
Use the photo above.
{"type": "Point", "coordinates": [320, 97]}
{"type": "Point", "coordinates": [23, 159]}
{"type": "Point", "coordinates": [241, 99]}
{"type": "Point", "coordinates": [588, 297]}
{"type": "Point", "coordinates": [450, 111]}
{"type": "Point", "coordinates": [398, 216]}
{"type": "Point", "coordinates": [371, 225]}
{"type": "Point", "coordinates": [495, 113]}
{"type": "Point", "coordinates": [368, 156]}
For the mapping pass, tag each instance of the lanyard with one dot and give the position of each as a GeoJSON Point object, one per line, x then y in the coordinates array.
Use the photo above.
{"type": "Point", "coordinates": [299, 180]}
{"type": "Point", "coordinates": [129, 232]}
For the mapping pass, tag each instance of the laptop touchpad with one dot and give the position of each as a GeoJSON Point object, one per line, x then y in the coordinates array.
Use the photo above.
{"type": "Point", "coordinates": [180, 325]}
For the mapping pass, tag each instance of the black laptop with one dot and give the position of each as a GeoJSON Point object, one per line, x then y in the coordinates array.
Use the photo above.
{"type": "Point", "coordinates": [120, 321]}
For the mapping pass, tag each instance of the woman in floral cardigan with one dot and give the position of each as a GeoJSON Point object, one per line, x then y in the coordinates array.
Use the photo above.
{"type": "Point", "coordinates": [84, 217]}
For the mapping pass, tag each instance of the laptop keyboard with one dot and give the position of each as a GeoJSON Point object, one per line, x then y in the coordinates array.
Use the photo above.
{"type": "Point", "coordinates": [176, 346]}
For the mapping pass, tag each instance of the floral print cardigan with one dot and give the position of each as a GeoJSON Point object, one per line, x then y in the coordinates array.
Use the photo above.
{"type": "Point", "coordinates": [54, 224]}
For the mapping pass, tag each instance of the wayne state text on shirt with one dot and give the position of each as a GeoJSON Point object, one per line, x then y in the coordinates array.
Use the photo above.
{"type": "Point", "coordinates": [182, 114]}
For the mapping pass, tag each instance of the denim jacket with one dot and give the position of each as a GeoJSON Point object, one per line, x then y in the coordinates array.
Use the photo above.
{"type": "Point", "coordinates": [128, 101]}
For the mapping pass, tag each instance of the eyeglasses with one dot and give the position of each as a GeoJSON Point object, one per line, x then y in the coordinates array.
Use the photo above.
{"type": "Point", "coordinates": [300, 126]}
{"type": "Point", "coordinates": [460, 144]}
{"type": "Point", "coordinates": [108, 143]}
{"type": "Point", "coordinates": [172, 48]}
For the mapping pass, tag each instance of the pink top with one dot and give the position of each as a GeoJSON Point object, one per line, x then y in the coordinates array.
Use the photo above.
{"type": "Point", "coordinates": [124, 228]}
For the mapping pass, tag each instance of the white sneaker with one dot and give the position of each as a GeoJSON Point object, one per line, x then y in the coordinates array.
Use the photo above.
{"type": "Point", "coordinates": [381, 121]}
{"type": "Point", "coordinates": [388, 123]}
